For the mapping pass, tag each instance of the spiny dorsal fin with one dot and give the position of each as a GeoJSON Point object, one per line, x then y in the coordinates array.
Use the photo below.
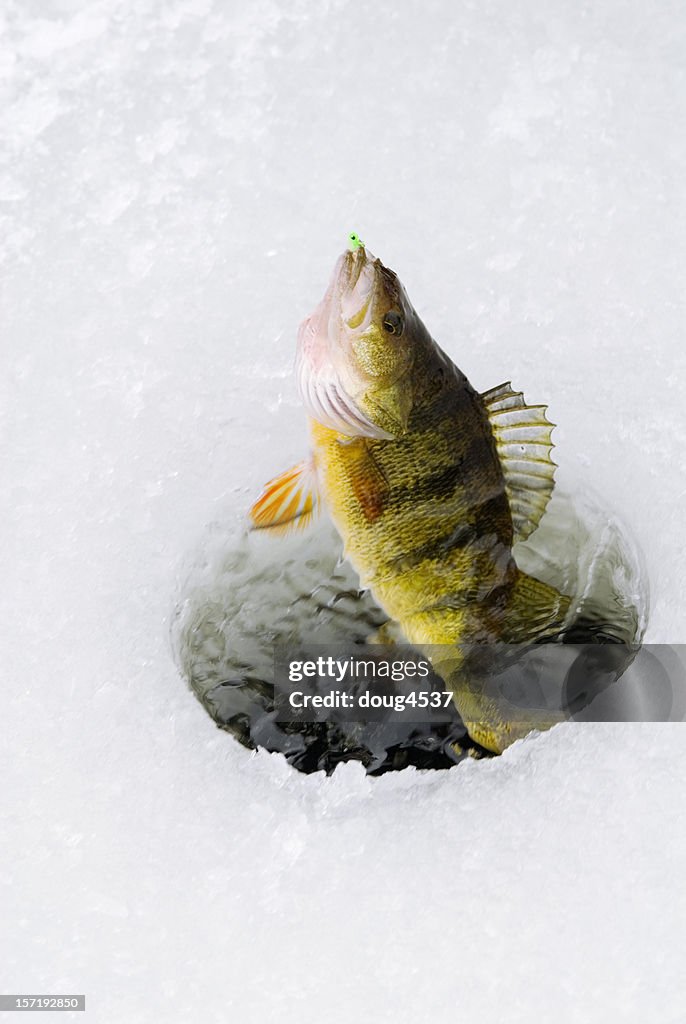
{"type": "Point", "coordinates": [289, 501]}
{"type": "Point", "coordinates": [522, 437]}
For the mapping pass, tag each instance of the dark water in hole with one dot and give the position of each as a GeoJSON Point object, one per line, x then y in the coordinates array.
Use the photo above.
{"type": "Point", "coordinates": [245, 593]}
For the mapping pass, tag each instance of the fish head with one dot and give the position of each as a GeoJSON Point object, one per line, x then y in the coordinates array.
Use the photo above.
{"type": "Point", "coordinates": [357, 351]}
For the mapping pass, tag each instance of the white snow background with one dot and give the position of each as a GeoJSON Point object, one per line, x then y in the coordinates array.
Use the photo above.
{"type": "Point", "coordinates": [177, 180]}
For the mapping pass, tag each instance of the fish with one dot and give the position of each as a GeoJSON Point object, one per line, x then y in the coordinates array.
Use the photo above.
{"type": "Point", "coordinates": [429, 483]}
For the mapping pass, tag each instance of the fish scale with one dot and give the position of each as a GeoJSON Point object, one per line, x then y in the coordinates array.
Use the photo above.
{"type": "Point", "coordinates": [397, 505]}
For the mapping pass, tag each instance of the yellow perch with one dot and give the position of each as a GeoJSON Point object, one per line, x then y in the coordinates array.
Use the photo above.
{"type": "Point", "coordinates": [428, 482]}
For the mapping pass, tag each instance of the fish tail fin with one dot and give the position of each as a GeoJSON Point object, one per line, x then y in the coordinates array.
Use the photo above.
{"type": "Point", "coordinates": [535, 611]}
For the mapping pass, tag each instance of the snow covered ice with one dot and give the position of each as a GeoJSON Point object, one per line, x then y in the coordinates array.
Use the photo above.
{"type": "Point", "coordinates": [176, 182]}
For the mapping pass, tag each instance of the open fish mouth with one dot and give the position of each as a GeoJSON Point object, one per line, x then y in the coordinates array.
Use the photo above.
{"type": "Point", "coordinates": [361, 283]}
{"type": "Point", "coordinates": [353, 268]}
{"type": "Point", "coordinates": [356, 285]}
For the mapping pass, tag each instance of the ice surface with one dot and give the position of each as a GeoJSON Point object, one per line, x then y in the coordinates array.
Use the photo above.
{"type": "Point", "coordinates": [176, 181]}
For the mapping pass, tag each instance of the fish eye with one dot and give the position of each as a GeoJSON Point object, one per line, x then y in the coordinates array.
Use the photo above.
{"type": "Point", "coordinates": [393, 323]}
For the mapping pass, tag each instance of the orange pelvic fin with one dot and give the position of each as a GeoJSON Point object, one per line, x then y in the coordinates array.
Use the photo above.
{"type": "Point", "coordinates": [289, 501]}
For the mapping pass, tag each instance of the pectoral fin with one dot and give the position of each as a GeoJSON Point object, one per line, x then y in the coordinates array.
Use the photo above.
{"type": "Point", "coordinates": [522, 436]}
{"type": "Point", "coordinates": [367, 480]}
{"type": "Point", "coordinates": [288, 502]}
